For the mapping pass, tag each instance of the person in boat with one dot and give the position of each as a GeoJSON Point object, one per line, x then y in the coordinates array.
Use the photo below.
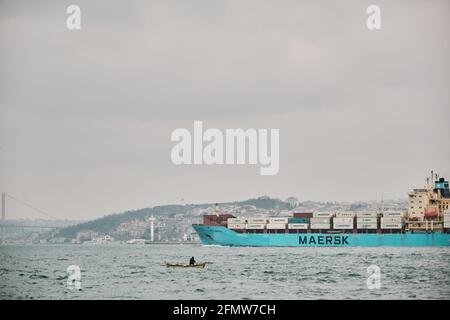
{"type": "Point", "coordinates": [192, 261]}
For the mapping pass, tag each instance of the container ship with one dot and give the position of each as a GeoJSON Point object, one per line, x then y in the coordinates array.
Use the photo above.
{"type": "Point", "coordinates": [426, 222]}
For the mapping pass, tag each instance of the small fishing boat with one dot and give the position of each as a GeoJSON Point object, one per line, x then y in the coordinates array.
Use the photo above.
{"type": "Point", "coordinates": [180, 265]}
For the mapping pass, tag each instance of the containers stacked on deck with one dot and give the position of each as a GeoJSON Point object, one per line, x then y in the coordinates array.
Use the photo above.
{"type": "Point", "coordinates": [276, 226]}
{"type": "Point", "coordinates": [393, 214]}
{"type": "Point", "coordinates": [366, 220]}
{"type": "Point", "coordinates": [390, 224]}
{"type": "Point", "coordinates": [346, 220]}
{"type": "Point", "coordinates": [274, 223]}
{"type": "Point", "coordinates": [323, 214]}
{"type": "Point", "coordinates": [236, 223]}
{"type": "Point", "coordinates": [256, 223]}
{"type": "Point", "coordinates": [255, 226]}
{"type": "Point", "coordinates": [303, 214]}
{"type": "Point", "coordinates": [282, 220]}
{"type": "Point", "coordinates": [257, 220]}
{"type": "Point", "coordinates": [345, 214]}
{"type": "Point", "coordinates": [298, 220]}
{"type": "Point", "coordinates": [277, 223]}
{"type": "Point", "coordinates": [320, 222]}
{"type": "Point", "coordinates": [366, 214]}
{"type": "Point", "coordinates": [447, 219]}
{"type": "Point", "coordinates": [237, 226]}
{"type": "Point", "coordinates": [298, 223]}
{"type": "Point", "coordinates": [250, 223]}
{"type": "Point", "coordinates": [367, 223]}
{"type": "Point", "coordinates": [391, 220]}
{"type": "Point", "coordinates": [340, 223]}
{"type": "Point", "coordinates": [298, 226]}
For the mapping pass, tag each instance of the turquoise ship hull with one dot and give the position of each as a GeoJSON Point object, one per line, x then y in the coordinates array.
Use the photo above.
{"type": "Point", "coordinates": [218, 235]}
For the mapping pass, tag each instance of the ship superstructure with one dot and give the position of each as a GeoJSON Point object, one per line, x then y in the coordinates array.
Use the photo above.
{"type": "Point", "coordinates": [428, 207]}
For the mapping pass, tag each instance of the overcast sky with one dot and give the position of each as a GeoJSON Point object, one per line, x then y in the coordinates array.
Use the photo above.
{"type": "Point", "coordinates": [86, 116]}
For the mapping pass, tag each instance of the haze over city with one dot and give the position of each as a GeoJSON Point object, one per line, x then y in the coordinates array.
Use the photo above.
{"type": "Point", "coordinates": [86, 116]}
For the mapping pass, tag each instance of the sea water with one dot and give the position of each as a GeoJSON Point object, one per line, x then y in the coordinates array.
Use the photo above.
{"type": "Point", "coordinates": [121, 271]}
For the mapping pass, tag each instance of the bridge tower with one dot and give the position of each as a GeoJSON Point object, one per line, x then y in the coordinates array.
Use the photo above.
{"type": "Point", "coordinates": [3, 216]}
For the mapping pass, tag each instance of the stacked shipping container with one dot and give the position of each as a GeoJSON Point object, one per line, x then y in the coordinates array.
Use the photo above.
{"type": "Point", "coordinates": [296, 226]}
{"type": "Point", "coordinates": [321, 220]}
{"type": "Point", "coordinates": [323, 214]}
{"type": "Point", "coordinates": [366, 220]}
{"type": "Point", "coordinates": [343, 223]}
{"type": "Point", "coordinates": [391, 220]}
{"type": "Point", "coordinates": [447, 219]}
{"type": "Point", "coordinates": [346, 220]}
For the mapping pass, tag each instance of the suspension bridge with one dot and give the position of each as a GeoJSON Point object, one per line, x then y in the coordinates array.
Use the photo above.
{"type": "Point", "coordinates": [5, 226]}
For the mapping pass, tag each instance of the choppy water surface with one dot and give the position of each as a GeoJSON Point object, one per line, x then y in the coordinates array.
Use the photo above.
{"type": "Point", "coordinates": [116, 271]}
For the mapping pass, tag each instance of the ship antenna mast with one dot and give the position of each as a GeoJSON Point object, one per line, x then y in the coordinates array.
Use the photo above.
{"type": "Point", "coordinates": [432, 175]}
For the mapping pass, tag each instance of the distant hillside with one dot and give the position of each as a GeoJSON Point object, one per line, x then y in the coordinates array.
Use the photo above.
{"type": "Point", "coordinates": [109, 223]}
{"type": "Point", "coordinates": [264, 203]}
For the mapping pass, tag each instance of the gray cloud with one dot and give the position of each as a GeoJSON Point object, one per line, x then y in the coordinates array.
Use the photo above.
{"type": "Point", "coordinates": [86, 115]}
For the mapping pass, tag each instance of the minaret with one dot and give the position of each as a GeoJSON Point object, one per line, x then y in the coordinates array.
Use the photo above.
{"type": "Point", "coordinates": [152, 230]}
